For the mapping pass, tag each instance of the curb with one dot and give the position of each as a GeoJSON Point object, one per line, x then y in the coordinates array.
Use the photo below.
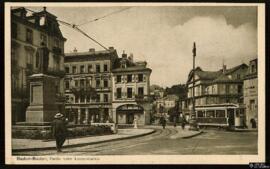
{"type": "Point", "coordinates": [83, 144]}
{"type": "Point", "coordinates": [186, 137]}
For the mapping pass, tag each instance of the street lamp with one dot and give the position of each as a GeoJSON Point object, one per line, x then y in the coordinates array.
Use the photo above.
{"type": "Point", "coordinates": [193, 120]}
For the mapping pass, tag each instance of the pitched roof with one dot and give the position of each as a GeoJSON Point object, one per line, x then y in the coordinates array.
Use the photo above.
{"type": "Point", "coordinates": [216, 76]}
{"type": "Point", "coordinates": [225, 78]}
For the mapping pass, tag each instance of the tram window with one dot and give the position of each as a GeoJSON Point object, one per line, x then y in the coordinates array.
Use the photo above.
{"type": "Point", "coordinates": [220, 113]}
{"type": "Point", "coordinates": [200, 113]}
{"type": "Point", "coordinates": [210, 113]}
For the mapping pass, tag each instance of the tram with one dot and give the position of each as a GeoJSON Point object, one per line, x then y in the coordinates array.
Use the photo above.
{"type": "Point", "coordinates": [221, 115]}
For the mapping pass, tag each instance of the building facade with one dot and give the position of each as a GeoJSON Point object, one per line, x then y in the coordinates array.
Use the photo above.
{"type": "Point", "coordinates": [251, 93]}
{"type": "Point", "coordinates": [131, 91]}
{"type": "Point", "coordinates": [215, 87]}
{"type": "Point", "coordinates": [88, 85]}
{"type": "Point", "coordinates": [37, 45]}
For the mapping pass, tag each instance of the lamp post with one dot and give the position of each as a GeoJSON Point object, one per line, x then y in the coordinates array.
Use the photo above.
{"type": "Point", "coordinates": [193, 121]}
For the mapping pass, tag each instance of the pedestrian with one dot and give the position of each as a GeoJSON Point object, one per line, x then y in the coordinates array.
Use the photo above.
{"type": "Point", "coordinates": [135, 123]}
{"type": "Point", "coordinates": [183, 122]}
{"type": "Point", "coordinates": [174, 120]}
{"type": "Point", "coordinates": [163, 122]}
{"type": "Point", "coordinates": [59, 130]}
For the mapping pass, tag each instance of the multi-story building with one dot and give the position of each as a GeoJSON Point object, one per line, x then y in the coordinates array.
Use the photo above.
{"type": "Point", "coordinates": [215, 87]}
{"type": "Point", "coordinates": [131, 91]}
{"type": "Point", "coordinates": [166, 103]}
{"type": "Point", "coordinates": [251, 93]}
{"type": "Point", "coordinates": [37, 45]}
{"type": "Point", "coordinates": [88, 85]}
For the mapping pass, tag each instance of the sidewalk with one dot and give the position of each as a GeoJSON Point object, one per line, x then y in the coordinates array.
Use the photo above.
{"type": "Point", "coordinates": [32, 145]}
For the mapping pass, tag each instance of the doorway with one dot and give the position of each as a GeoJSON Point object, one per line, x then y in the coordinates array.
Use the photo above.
{"type": "Point", "coordinates": [130, 118]}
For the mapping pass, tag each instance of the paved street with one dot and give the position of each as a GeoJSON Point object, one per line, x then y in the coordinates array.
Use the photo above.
{"type": "Point", "coordinates": [163, 142]}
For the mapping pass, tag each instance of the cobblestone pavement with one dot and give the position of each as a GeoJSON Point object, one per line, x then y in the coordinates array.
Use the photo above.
{"type": "Point", "coordinates": [164, 142]}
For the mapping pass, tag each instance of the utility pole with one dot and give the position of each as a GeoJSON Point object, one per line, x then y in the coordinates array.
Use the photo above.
{"type": "Point", "coordinates": [193, 122]}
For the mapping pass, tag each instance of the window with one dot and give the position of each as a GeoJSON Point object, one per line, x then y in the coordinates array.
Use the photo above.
{"type": "Point", "coordinates": [74, 69]}
{"type": "Point", "coordinates": [239, 89]}
{"type": "Point", "coordinates": [76, 99]}
{"type": "Point", "coordinates": [210, 113]}
{"type": "Point", "coordinates": [105, 83]}
{"type": "Point", "coordinates": [253, 69]}
{"type": "Point", "coordinates": [56, 43]}
{"type": "Point", "coordinates": [118, 78]}
{"type": "Point", "coordinates": [88, 98]}
{"type": "Point", "coordinates": [98, 68]}
{"type": "Point", "coordinates": [105, 67]}
{"type": "Point", "coordinates": [67, 84]}
{"type": "Point", "coordinates": [29, 57]}
{"type": "Point", "coordinates": [118, 93]}
{"type": "Point", "coordinates": [97, 82]}
{"type": "Point", "coordinates": [37, 60]}
{"type": "Point", "coordinates": [87, 83]}
{"type": "Point", "coordinates": [14, 30]}
{"type": "Point", "coordinates": [82, 82]}
{"type": "Point", "coordinates": [29, 36]}
{"type": "Point", "coordinates": [129, 92]}
{"type": "Point", "coordinates": [220, 113]}
{"type": "Point", "coordinates": [140, 91]}
{"type": "Point", "coordinates": [200, 113]}
{"type": "Point", "coordinates": [98, 98]}
{"type": "Point", "coordinates": [67, 69]}
{"type": "Point", "coordinates": [90, 68]}
{"type": "Point", "coordinates": [106, 98]}
{"type": "Point", "coordinates": [252, 105]}
{"type": "Point", "coordinates": [76, 83]}
{"type": "Point", "coordinates": [129, 78]}
{"type": "Point", "coordinates": [238, 76]}
{"type": "Point", "coordinates": [140, 77]}
{"type": "Point", "coordinates": [43, 40]}
{"type": "Point", "coordinates": [82, 100]}
{"type": "Point", "coordinates": [82, 69]}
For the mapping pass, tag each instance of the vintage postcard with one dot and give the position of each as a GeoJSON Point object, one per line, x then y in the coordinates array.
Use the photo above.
{"type": "Point", "coordinates": [134, 83]}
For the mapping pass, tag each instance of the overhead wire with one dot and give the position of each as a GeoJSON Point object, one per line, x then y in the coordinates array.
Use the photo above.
{"type": "Point", "coordinates": [109, 14]}
{"type": "Point", "coordinates": [75, 27]}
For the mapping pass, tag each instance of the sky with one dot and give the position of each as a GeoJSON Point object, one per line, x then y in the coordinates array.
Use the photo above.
{"type": "Point", "coordinates": [164, 35]}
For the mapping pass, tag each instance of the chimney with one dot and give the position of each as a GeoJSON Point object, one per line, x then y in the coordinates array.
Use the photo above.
{"type": "Point", "coordinates": [124, 55]}
{"type": "Point", "coordinates": [111, 48]}
{"type": "Point", "coordinates": [92, 50]}
{"type": "Point", "coordinates": [130, 57]}
{"type": "Point", "coordinates": [44, 8]}
{"type": "Point", "coordinates": [224, 69]}
{"type": "Point", "coordinates": [75, 50]}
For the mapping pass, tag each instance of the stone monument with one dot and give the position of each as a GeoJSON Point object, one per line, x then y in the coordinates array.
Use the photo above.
{"type": "Point", "coordinates": [42, 106]}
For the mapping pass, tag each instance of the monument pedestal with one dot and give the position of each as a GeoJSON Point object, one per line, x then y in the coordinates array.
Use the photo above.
{"type": "Point", "coordinates": [41, 110]}
{"type": "Point", "coordinates": [42, 106]}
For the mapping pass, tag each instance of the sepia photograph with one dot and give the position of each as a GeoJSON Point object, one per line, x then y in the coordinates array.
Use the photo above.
{"type": "Point", "coordinates": [134, 83]}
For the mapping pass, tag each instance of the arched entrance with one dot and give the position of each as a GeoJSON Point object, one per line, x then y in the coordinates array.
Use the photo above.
{"type": "Point", "coordinates": [126, 113]}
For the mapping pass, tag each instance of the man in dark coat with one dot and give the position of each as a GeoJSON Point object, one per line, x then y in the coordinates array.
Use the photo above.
{"type": "Point", "coordinates": [59, 130]}
{"type": "Point", "coordinates": [163, 122]}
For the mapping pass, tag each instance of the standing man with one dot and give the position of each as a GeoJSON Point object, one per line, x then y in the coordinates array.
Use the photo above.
{"type": "Point", "coordinates": [163, 122]}
{"type": "Point", "coordinates": [59, 130]}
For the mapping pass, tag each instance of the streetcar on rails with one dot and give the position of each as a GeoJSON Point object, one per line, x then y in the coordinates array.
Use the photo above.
{"type": "Point", "coordinates": [221, 115]}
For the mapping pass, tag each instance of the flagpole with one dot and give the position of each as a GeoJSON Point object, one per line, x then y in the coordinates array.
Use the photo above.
{"type": "Point", "coordinates": [193, 121]}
